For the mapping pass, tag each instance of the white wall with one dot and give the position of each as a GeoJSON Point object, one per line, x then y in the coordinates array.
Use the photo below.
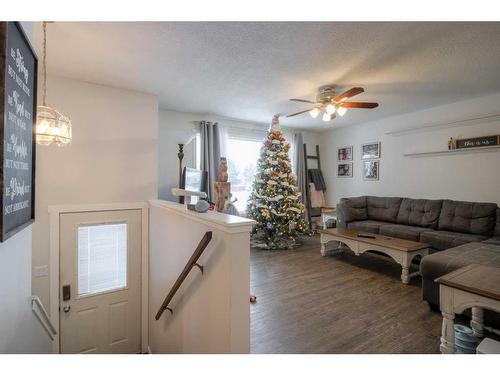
{"type": "Point", "coordinates": [311, 139]}
{"type": "Point", "coordinates": [211, 310]}
{"type": "Point", "coordinates": [113, 157]}
{"type": "Point", "coordinates": [172, 124]}
{"type": "Point", "coordinates": [469, 176]}
{"type": "Point", "coordinates": [20, 331]}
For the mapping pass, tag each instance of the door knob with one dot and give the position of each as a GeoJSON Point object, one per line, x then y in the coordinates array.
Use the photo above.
{"type": "Point", "coordinates": [66, 308]}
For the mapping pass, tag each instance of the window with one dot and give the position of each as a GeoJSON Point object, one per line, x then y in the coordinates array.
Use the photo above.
{"type": "Point", "coordinates": [102, 258]}
{"type": "Point", "coordinates": [242, 156]}
{"type": "Point", "coordinates": [241, 147]}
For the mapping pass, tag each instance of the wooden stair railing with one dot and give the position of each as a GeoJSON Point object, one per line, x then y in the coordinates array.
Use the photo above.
{"type": "Point", "coordinates": [192, 262]}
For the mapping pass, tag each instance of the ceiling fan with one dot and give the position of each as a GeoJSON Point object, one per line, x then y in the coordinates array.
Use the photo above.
{"type": "Point", "coordinates": [332, 103]}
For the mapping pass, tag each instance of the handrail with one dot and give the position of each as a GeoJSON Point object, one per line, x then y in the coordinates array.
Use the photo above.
{"type": "Point", "coordinates": [190, 264]}
{"type": "Point", "coordinates": [44, 319]}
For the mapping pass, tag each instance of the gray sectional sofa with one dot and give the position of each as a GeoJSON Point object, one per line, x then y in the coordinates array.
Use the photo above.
{"type": "Point", "coordinates": [460, 233]}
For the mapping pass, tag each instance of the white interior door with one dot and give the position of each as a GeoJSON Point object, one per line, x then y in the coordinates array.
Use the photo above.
{"type": "Point", "coordinates": [100, 282]}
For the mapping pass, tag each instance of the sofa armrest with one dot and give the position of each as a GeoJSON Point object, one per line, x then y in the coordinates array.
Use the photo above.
{"type": "Point", "coordinates": [341, 219]}
{"type": "Point", "coordinates": [351, 209]}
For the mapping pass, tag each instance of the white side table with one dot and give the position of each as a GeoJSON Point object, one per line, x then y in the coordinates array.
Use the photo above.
{"type": "Point", "coordinates": [328, 215]}
{"type": "Point", "coordinates": [475, 286]}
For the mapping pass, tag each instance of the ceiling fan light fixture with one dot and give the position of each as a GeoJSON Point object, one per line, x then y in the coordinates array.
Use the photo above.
{"type": "Point", "coordinates": [341, 110]}
{"type": "Point", "coordinates": [314, 112]}
{"type": "Point", "coordinates": [328, 103]}
{"type": "Point", "coordinates": [330, 109]}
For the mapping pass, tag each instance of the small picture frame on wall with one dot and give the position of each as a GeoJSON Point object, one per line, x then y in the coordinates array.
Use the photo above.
{"type": "Point", "coordinates": [371, 170]}
{"type": "Point", "coordinates": [370, 150]}
{"type": "Point", "coordinates": [344, 170]}
{"type": "Point", "coordinates": [344, 153]}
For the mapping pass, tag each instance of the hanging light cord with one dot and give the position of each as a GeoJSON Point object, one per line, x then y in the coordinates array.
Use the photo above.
{"type": "Point", "coordinates": [44, 62]}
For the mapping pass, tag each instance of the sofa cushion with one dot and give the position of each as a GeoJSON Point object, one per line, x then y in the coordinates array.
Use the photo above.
{"type": "Point", "coordinates": [353, 209]}
{"type": "Point", "coordinates": [441, 240]}
{"type": "Point", "coordinates": [406, 232]}
{"type": "Point", "coordinates": [440, 263]}
{"type": "Point", "coordinates": [371, 226]}
{"type": "Point", "coordinates": [493, 240]}
{"type": "Point", "coordinates": [419, 212]}
{"type": "Point", "coordinates": [467, 217]}
{"type": "Point", "coordinates": [383, 209]}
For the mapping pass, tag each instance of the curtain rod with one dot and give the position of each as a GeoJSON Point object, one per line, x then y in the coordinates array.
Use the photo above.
{"type": "Point", "coordinates": [265, 130]}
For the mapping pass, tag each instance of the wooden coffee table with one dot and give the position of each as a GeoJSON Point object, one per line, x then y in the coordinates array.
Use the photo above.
{"type": "Point", "coordinates": [475, 286]}
{"type": "Point", "coordinates": [402, 251]}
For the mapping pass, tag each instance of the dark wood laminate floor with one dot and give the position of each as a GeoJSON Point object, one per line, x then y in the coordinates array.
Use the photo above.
{"type": "Point", "coordinates": [307, 303]}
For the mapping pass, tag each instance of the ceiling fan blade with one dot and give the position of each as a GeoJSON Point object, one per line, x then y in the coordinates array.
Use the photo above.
{"type": "Point", "coordinates": [349, 93]}
{"type": "Point", "coordinates": [302, 101]}
{"type": "Point", "coordinates": [298, 113]}
{"type": "Point", "coordinates": [358, 105]}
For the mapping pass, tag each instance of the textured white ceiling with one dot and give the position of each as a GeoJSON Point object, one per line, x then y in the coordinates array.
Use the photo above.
{"type": "Point", "coordinates": [249, 70]}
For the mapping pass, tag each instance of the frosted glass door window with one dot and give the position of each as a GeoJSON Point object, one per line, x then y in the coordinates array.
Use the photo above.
{"type": "Point", "coordinates": [102, 258]}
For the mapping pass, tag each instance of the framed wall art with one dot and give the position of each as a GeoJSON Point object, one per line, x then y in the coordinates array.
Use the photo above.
{"type": "Point", "coordinates": [344, 170]}
{"type": "Point", "coordinates": [488, 141]}
{"type": "Point", "coordinates": [371, 170]}
{"type": "Point", "coordinates": [18, 85]}
{"type": "Point", "coordinates": [345, 153]}
{"type": "Point", "coordinates": [370, 150]}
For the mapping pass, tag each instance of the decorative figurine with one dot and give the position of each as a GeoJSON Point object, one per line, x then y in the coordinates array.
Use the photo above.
{"type": "Point", "coordinates": [229, 207]}
{"type": "Point", "coordinates": [275, 124]}
{"type": "Point", "coordinates": [222, 188]}
{"type": "Point", "coordinates": [222, 173]}
{"type": "Point", "coordinates": [201, 206]}
{"type": "Point", "coordinates": [451, 144]}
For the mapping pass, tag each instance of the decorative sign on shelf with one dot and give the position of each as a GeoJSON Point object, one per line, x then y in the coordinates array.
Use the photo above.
{"type": "Point", "coordinates": [18, 79]}
{"type": "Point", "coordinates": [492, 140]}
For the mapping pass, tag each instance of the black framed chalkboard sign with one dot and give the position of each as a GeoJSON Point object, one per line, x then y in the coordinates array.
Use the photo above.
{"type": "Point", "coordinates": [491, 140]}
{"type": "Point", "coordinates": [18, 89]}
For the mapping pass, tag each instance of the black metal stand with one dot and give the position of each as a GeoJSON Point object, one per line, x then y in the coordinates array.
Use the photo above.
{"type": "Point", "coordinates": [180, 155]}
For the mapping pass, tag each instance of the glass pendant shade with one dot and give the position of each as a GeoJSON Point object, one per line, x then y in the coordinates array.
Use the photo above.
{"type": "Point", "coordinates": [52, 127]}
{"type": "Point", "coordinates": [314, 112]}
{"type": "Point", "coordinates": [330, 109]}
{"type": "Point", "coordinates": [341, 110]}
{"type": "Point", "coordinates": [326, 117]}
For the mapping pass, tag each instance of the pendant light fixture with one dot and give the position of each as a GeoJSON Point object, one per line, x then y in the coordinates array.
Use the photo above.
{"type": "Point", "coordinates": [52, 127]}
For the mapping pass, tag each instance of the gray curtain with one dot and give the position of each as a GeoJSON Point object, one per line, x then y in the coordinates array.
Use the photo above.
{"type": "Point", "coordinates": [210, 153]}
{"type": "Point", "coordinates": [298, 156]}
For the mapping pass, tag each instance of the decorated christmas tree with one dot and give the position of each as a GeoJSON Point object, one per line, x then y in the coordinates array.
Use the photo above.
{"type": "Point", "coordinates": [275, 199]}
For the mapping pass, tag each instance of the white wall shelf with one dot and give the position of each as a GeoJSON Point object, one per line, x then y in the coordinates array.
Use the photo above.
{"type": "Point", "coordinates": [430, 127]}
{"type": "Point", "coordinates": [454, 152]}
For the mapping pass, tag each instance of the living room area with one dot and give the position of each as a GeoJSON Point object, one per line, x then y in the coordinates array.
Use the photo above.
{"type": "Point", "coordinates": [419, 211]}
{"type": "Point", "coordinates": [227, 182]}
{"type": "Point", "coordinates": [418, 186]}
